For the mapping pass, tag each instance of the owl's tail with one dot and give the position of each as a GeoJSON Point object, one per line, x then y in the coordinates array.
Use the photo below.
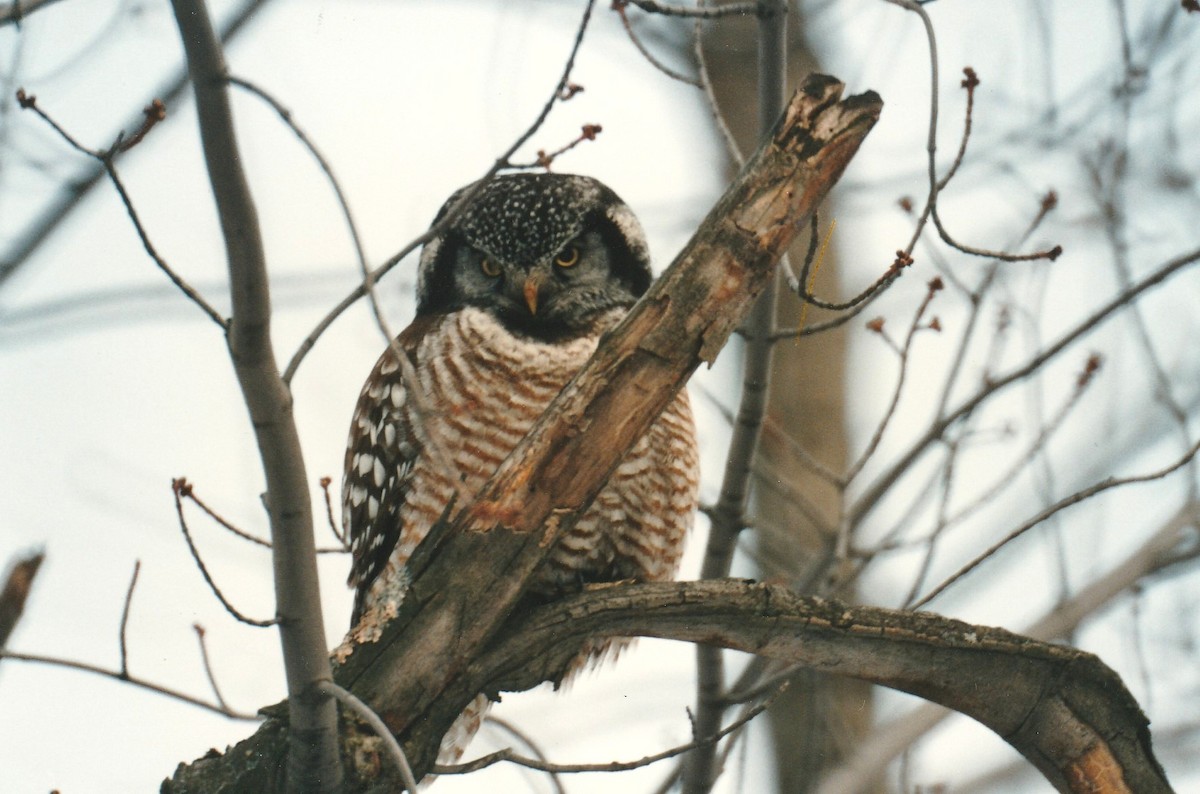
{"type": "Point", "coordinates": [461, 732]}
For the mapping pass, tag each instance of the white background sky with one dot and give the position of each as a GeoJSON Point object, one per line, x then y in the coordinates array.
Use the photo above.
{"type": "Point", "coordinates": [110, 384]}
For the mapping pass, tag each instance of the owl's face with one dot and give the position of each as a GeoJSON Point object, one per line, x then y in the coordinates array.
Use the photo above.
{"type": "Point", "coordinates": [543, 253]}
{"type": "Point", "coordinates": [549, 298]}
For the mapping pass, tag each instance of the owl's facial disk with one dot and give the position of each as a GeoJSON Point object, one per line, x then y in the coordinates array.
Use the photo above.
{"type": "Point", "coordinates": [558, 295]}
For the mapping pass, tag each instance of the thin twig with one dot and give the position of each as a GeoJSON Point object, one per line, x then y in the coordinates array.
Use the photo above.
{"type": "Point", "coordinates": [121, 632]}
{"type": "Point", "coordinates": [187, 491]}
{"type": "Point", "coordinates": [612, 766]}
{"type": "Point", "coordinates": [29, 102]}
{"type": "Point", "coordinates": [1045, 433]}
{"type": "Point", "coordinates": [970, 83]}
{"type": "Point", "coordinates": [619, 7]}
{"type": "Point", "coordinates": [1062, 504]}
{"type": "Point", "coordinates": [105, 158]}
{"type": "Point", "coordinates": [780, 335]}
{"type": "Point", "coordinates": [365, 713]}
{"type": "Point", "coordinates": [956, 367]}
{"type": "Point", "coordinates": [544, 159]}
{"type": "Point", "coordinates": [71, 196]}
{"type": "Point", "coordinates": [129, 679]}
{"type": "Point", "coordinates": [177, 488]}
{"type": "Point", "coordinates": [732, 149]}
{"type": "Point", "coordinates": [343, 202]}
{"type": "Point", "coordinates": [208, 671]}
{"type": "Point", "coordinates": [153, 114]}
{"type": "Point", "coordinates": [935, 185]}
{"type": "Point", "coordinates": [939, 529]}
{"type": "Point", "coordinates": [814, 257]}
{"type": "Point", "coordinates": [845, 528]}
{"type": "Point", "coordinates": [333, 527]}
{"type": "Point", "coordinates": [364, 267]}
{"type": "Point", "coordinates": [875, 492]}
{"type": "Point", "coordinates": [523, 738]}
{"type": "Point", "coordinates": [935, 286]}
{"type": "Point", "coordinates": [801, 284]}
{"type": "Point", "coordinates": [854, 306]}
{"type": "Point", "coordinates": [187, 289]}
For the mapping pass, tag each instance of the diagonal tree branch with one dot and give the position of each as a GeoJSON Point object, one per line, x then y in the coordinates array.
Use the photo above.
{"type": "Point", "coordinates": [498, 541]}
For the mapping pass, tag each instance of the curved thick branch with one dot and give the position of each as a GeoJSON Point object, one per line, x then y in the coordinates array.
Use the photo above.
{"type": "Point", "coordinates": [1063, 709]}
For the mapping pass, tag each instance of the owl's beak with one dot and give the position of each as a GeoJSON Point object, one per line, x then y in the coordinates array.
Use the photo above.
{"type": "Point", "coordinates": [533, 285]}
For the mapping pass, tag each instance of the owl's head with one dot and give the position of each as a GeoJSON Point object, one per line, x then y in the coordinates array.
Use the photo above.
{"type": "Point", "coordinates": [544, 253]}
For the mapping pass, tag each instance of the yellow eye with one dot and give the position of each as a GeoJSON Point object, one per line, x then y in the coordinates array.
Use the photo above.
{"type": "Point", "coordinates": [568, 257]}
{"type": "Point", "coordinates": [489, 268]}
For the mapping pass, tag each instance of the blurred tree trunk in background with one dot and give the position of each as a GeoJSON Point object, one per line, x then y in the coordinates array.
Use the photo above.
{"type": "Point", "coordinates": [817, 721]}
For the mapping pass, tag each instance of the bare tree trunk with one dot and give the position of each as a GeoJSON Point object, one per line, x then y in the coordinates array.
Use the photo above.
{"type": "Point", "coordinates": [314, 764]}
{"type": "Point", "coordinates": [817, 721]}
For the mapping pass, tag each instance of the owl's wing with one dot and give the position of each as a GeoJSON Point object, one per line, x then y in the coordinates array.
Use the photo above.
{"type": "Point", "coordinates": [380, 455]}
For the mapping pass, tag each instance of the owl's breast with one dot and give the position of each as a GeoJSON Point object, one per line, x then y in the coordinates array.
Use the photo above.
{"type": "Point", "coordinates": [485, 388]}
